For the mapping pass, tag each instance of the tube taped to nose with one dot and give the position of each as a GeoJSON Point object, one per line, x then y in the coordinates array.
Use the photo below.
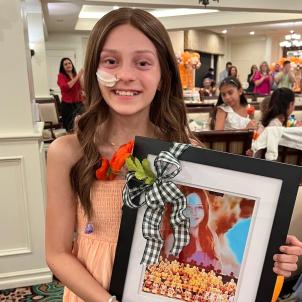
{"type": "Point", "coordinates": [106, 79]}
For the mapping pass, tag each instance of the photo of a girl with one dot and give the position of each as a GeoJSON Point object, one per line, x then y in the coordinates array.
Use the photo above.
{"type": "Point", "coordinates": [207, 269]}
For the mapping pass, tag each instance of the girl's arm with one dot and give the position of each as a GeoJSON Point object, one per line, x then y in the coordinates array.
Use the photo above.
{"type": "Point", "coordinates": [60, 223]}
{"type": "Point", "coordinates": [286, 263]}
{"type": "Point", "coordinates": [220, 119]}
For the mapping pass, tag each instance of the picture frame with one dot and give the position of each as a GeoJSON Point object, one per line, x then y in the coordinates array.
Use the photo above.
{"type": "Point", "coordinates": [271, 189]}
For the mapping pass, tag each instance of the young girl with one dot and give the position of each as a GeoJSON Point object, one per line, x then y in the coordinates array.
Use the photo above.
{"type": "Point", "coordinates": [139, 94]}
{"type": "Point", "coordinates": [70, 84]}
{"type": "Point", "coordinates": [231, 107]}
{"type": "Point", "coordinates": [280, 107]}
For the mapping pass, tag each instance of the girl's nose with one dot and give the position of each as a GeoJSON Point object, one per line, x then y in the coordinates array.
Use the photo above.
{"type": "Point", "coordinates": [126, 74]}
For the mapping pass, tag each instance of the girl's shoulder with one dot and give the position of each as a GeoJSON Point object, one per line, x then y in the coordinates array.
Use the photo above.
{"type": "Point", "coordinates": [65, 149]}
{"type": "Point", "coordinates": [225, 108]}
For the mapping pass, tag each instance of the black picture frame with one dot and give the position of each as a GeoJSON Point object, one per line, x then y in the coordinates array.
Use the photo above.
{"type": "Point", "coordinates": [287, 177]}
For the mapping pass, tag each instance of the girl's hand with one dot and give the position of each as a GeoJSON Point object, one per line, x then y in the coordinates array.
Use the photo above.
{"type": "Point", "coordinates": [253, 124]}
{"type": "Point", "coordinates": [286, 263]}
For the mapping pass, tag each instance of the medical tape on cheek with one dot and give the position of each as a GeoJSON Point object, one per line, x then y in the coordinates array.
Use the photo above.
{"type": "Point", "coordinates": [106, 79]}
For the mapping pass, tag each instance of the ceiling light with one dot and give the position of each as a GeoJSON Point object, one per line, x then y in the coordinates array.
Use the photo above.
{"type": "Point", "coordinates": [252, 33]}
{"type": "Point", "coordinates": [224, 31]}
{"type": "Point", "coordinates": [160, 13]}
{"type": "Point", "coordinates": [292, 40]}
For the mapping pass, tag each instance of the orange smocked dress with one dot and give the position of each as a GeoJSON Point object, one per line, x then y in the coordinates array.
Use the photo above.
{"type": "Point", "coordinates": [97, 249]}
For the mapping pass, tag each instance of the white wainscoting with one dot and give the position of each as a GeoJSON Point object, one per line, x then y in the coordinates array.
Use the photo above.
{"type": "Point", "coordinates": [22, 211]}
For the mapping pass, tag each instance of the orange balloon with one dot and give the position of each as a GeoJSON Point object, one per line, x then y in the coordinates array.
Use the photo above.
{"type": "Point", "coordinates": [278, 287]}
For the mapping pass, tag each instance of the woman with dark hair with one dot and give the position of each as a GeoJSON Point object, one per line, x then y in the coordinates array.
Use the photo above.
{"type": "Point", "coordinates": [280, 107]}
{"type": "Point", "coordinates": [250, 76]}
{"type": "Point", "coordinates": [230, 111]}
{"type": "Point", "coordinates": [233, 72]}
{"type": "Point", "coordinates": [132, 89]}
{"type": "Point", "coordinates": [69, 82]}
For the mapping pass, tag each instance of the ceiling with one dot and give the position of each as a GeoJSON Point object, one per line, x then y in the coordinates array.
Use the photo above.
{"type": "Point", "coordinates": [237, 16]}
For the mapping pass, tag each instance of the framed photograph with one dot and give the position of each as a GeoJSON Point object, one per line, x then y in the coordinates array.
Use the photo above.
{"type": "Point", "coordinates": [239, 209]}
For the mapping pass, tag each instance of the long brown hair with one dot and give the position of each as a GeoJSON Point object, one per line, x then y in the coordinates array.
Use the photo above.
{"type": "Point", "coordinates": [206, 239]}
{"type": "Point", "coordinates": [167, 110]}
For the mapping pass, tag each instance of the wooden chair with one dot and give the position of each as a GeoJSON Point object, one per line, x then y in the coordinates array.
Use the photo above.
{"type": "Point", "coordinates": [232, 141]}
{"type": "Point", "coordinates": [285, 155]}
{"type": "Point", "coordinates": [49, 114]}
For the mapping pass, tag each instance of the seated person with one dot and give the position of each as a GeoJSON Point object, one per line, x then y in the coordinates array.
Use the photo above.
{"type": "Point", "coordinates": [231, 108]}
{"type": "Point", "coordinates": [208, 88]}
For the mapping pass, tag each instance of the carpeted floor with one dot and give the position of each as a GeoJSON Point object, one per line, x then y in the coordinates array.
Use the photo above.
{"type": "Point", "coordinates": [43, 292]}
{"type": "Point", "coordinates": [54, 292]}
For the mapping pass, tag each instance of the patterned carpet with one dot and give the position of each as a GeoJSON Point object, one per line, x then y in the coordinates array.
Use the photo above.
{"type": "Point", "coordinates": [43, 292]}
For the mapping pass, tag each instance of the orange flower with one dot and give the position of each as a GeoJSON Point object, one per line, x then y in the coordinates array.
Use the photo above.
{"type": "Point", "coordinates": [120, 156]}
{"type": "Point", "coordinates": [101, 172]}
{"type": "Point", "coordinates": [250, 110]}
{"type": "Point", "coordinates": [255, 135]}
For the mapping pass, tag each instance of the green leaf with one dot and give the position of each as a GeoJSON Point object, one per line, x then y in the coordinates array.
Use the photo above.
{"type": "Point", "coordinates": [149, 180]}
{"type": "Point", "coordinates": [140, 175]}
{"type": "Point", "coordinates": [147, 168]}
{"type": "Point", "coordinates": [130, 163]}
{"type": "Point", "coordinates": [138, 165]}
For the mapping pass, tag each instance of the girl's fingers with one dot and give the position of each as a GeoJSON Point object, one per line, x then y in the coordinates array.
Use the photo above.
{"type": "Point", "coordinates": [285, 258]}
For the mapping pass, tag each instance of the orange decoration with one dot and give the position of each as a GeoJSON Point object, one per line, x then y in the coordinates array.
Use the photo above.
{"type": "Point", "coordinates": [250, 110]}
{"type": "Point", "coordinates": [109, 169]}
{"type": "Point", "coordinates": [101, 172]}
{"type": "Point", "coordinates": [188, 61]}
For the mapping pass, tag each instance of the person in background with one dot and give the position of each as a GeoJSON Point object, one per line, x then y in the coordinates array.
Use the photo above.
{"type": "Point", "coordinates": [132, 88]}
{"type": "Point", "coordinates": [263, 80]}
{"type": "Point", "coordinates": [280, 107]}
{"type": "Point", "coordinates": [285, 78]}
{"type": "Point", "coordinates": [231, 107]}
{"type": "Point", "coordinates": [70, 84]}
{"type": "Point", "coordinates": [298, 79]}
{"type": "Point", "coordinates": [225, 72]}
{"type": "Point", "coordinates": [250, 77]}
{"type": "Point", "coordinates": [208, 89]}
{"type": "Point", "coordinates": [277, 69]}
{"type": "Point", "coordinates": [233, 72]}
{"type": "Point", "coordinates": [210, 75]}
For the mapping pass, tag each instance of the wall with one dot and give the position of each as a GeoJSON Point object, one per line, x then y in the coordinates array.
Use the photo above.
{"type": "Point", "coordinates": [177, 39]}
{"type": "Point", "coordinates": [246, 51]}
{"type": "Point", "coordinates": [204, 41]}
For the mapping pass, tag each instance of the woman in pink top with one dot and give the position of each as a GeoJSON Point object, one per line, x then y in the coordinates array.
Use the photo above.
{"type": "Point", "coordinates": [263, 80]}
{"type": "Point", "coordinates": [132, 88]}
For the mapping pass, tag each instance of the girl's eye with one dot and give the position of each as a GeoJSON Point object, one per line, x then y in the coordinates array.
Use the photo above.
{"type": "Point", "coordinates": [109, 62]}
{"type": "Point", "coordinates": [144, 64]}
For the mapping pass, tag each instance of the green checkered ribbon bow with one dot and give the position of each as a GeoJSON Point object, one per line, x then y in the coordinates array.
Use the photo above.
{"type": "Point", "coordinates": [162, 191]}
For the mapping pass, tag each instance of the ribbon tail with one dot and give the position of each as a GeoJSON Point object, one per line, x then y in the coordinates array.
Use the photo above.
{"type": "Point", "coordinates": [179, 222]}
{"type": "Point", "coordinates": [151, 232]}
{"type": "Point", "coordinates": [181, 237]}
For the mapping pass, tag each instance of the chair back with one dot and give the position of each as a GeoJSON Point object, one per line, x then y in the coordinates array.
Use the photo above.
{"type": "Point", "coordinates": [286, 155]}
{"type": "Point", "coordinates": [49, 112]}
{"type": "Point", "coordinates": [231, 141]}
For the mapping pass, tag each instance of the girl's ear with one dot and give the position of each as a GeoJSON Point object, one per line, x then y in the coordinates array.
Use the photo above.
{"type": "Point", "coordinates": [159, 85]}
{"type": "Point", "coordinates": [240, 90]}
